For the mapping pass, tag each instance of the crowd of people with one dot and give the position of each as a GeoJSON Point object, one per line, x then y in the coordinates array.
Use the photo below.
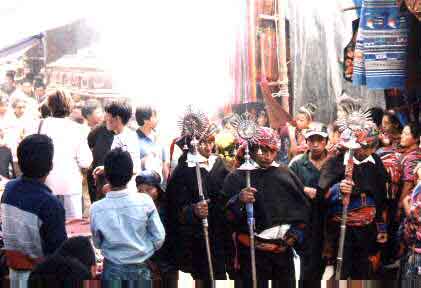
{"type": "Point", "coordinates": [61, 160]}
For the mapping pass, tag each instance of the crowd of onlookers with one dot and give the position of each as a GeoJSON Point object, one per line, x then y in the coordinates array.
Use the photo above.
{"type": "Point", "coordinates": [64, 158]}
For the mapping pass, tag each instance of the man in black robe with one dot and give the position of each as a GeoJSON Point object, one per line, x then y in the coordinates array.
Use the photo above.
{"type": "Point", "coordinates": [185, 230]}
{"type": "Point", "coordinates": [280, 209]}
{"type": "Point", "coordinates": [365, 227]}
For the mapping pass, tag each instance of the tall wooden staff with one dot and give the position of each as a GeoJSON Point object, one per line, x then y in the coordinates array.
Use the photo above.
{"type": "Point", "coordinates": [202, 199]}
{"type": "Point", "coordinates": [195, 124]}
{"type": "Point", "coordinates": [349, 170]}
{"type": "Point", "coordinates": [352, 127]}
{"type": "Point", "coordinates": [248, 131]}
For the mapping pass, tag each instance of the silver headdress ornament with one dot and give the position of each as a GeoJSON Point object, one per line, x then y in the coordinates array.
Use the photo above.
{"type": "Point", "coordinates": [248, 130]}
{"type": "Point", "coordinates": [246, 127]}
{"type": "Point", "coordinates": [195, 124]}
{"type": "Point", "coordinates": [357, 127]}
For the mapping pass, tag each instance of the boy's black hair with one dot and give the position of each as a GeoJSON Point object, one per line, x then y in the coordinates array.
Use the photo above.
{"type": "Point", "coordinates": [80, 248]}
{"type": "Point", "coordinates": [118, 166]}
{"type": "Point", "coordinates": [144, 113]}
{"type": "Point", "coordinates": [35, 156]}
{"type": "Point", "coordinates": [58, 268]}
{"type": "Point", "coordinates": [121, 109]}
{"type": "Point", "coordinates": [90, 106]}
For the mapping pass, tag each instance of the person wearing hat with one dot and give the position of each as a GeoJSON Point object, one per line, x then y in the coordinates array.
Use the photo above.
{"type": "Point", "coordinates": [366, 230]}
{"type": "Point", "coordinates": [281, 212]}
{"type": "Point", "coordinates": [307, 167]}
{"type": "Point", "coordinates": [186, 213]}
{"type": "Point", "coordinates": [161, 263]}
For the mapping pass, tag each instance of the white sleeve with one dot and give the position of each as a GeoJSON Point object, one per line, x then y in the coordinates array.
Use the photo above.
{"type": "Point", "coordinates": [84, 154]}
{"type": "Point", "coordinates": [134, 150]}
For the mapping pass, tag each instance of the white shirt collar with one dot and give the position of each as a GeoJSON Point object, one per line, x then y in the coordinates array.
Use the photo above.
{"type": "Point", "coordinates": [257, 166]}
{"type": "Point", "coordinates": [204, 163]}
{"type": "Point", "coordinates": [369, 159]}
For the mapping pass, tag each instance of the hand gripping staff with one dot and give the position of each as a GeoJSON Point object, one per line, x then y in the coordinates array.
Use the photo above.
{"type": "Point", "coordinates": [196, 125]}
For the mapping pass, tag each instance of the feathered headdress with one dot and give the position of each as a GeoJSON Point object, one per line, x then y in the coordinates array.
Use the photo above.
{"type": "Point", "coordinates": [357, 128]}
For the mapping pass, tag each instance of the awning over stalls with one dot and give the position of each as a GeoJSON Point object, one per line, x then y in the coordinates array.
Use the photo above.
{"type": "Point", "coordinates": [18, 49]}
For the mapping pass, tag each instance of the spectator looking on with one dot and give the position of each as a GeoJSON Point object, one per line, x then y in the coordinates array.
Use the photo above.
{"type": "Point", "coordinates": [93, 113]}
{"type": "Point", "coordinates": [72, 153]}
{"type": "Point", "coordinates": [152, 154]}
{"type": "Point", "coordinates": [117, 116]}
{"type": "Point", "coordinates": [33, 220]}
{"type": "Point", "coordinates": [125, 217]}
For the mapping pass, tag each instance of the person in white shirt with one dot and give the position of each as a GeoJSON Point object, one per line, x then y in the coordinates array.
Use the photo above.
{"type": "Point", "coordinates": [117, 116]}
{"type": "Point", "coordinates": [15, 121]}
{"type": "Point", "coordinates": [71, 153]}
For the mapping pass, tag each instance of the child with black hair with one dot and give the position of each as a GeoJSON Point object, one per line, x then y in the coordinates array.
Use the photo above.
{"type": "Point", "coordinates": [125, 225]}
{"type": "Point", "coordinates": [58, 268]}
{"type": "Point", "coordinates": [33, 219]}
{"type": "Point", "coordinates": [81, 249]}
{"type": "Point", "coordinates": [74, 260]}
{"type": "Point", "coordinates": [161, 263]}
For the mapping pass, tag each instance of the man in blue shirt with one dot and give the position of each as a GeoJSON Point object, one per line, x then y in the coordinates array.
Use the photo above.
{"type": "Point", "coordinates": [152, 155]}
{"type": "Point", "coordinates": [33, 220]}
{"type": "Point", "coordinates": [125, 225]}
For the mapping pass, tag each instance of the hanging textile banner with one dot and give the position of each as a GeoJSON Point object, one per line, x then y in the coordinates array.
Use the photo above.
{"type": "Point", "coordinates": [382, 43]}
{"type": "Point", "coordinates": [244, 67]}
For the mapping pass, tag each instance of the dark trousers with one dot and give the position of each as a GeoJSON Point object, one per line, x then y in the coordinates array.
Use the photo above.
{"type": "Point", "coordinates": [200, 264]}
{"type": "Point", "coordinates": [269, 266]}
{"type": "Point", "coordinates": [360, 244]}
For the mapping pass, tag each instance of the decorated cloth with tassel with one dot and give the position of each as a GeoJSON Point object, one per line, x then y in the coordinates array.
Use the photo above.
{"type": "Point", "coordinates": [382, 42]}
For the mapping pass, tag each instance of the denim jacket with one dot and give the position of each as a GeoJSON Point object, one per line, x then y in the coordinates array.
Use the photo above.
{"type": "Point", "coordinates": [126, 227]}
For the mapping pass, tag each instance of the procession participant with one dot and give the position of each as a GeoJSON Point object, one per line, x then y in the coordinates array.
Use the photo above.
{"type": "Point", "coordinates": [307, 168]}
{"type": "Point", "coordinates": [365, 226]}
{"type": "Point", "coordinates": [125, 225]}
{"type": "Point", "coordinates": [303, 121]}
{"type": "Point", "coordinates": [32, 217]}
{"type": "Point", "coordinates": [185, 217]}
{"type": "Point", "coordinates": [281, 212]}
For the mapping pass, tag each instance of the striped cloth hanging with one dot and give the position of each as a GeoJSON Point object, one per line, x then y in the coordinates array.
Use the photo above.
{"type": "Point", "coordinates": [382, 42]}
